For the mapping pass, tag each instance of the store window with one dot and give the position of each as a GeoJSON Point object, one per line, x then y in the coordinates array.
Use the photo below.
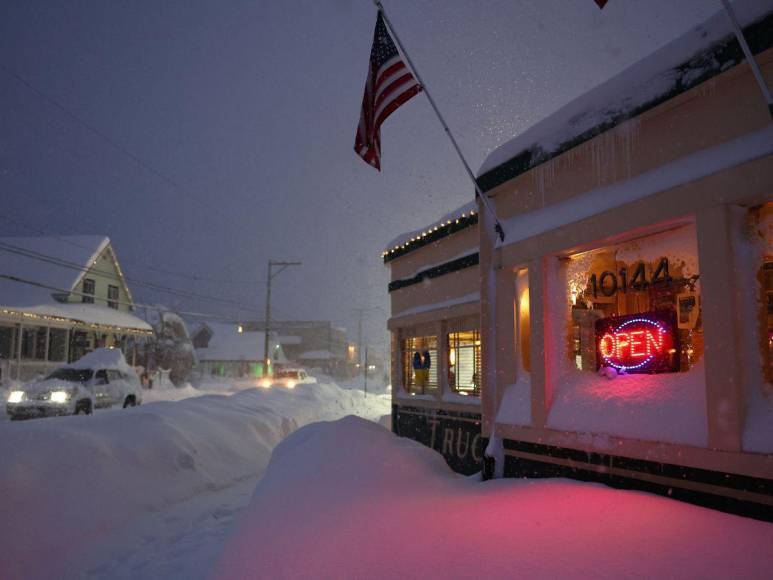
{"type": "Point", "coordinates": [635, 306]}
{"type": "Point", "coordinates": [89, 289]}
{"type": "Point", "coordinates": [464, 362]}
{"type": "Point", "coordinates": [419, 364]}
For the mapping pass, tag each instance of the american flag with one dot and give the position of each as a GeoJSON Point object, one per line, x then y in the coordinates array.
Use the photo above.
{"type": "Point", "coordinates": [388, 86]}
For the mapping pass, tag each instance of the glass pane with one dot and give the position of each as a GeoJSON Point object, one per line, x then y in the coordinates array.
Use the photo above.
{"type": "Point", "coordinates": [763, 216]}
{"type": "Point", "coordinates": [636, 305]}
{"type": "Point", "coordinates": [464, 362]}
{"type": "Point", "coordinates": [7, 336]}
{"type": "Point", "coordinates": [419, 363]}
{"type": "Point", "coordinates": [56, 345]}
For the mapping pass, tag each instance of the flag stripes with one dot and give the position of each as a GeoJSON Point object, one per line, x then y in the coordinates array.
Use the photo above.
{"type": "Point", "coordinates": [389, 85]}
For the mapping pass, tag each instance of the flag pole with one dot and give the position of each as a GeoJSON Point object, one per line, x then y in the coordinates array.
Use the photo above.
{"type": "Point", "coordinates": [749, 56]}
{"type": "Point", "coordinates": [478, 192]}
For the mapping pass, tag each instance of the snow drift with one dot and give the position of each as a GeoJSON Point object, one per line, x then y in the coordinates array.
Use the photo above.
{"type": "Point", "coordinates": [66, 482]}
{"type": "Point", "coordinates": [350, 500]}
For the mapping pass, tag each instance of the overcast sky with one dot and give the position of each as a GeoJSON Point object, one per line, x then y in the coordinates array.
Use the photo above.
{"type": "Point", "coordinates": [251, 109]}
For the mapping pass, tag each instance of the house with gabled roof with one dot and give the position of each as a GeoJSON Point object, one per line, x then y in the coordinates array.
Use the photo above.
{"type": "Point", "coordinates": [60, 298]}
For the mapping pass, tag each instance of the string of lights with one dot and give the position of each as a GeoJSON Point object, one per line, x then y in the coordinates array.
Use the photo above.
{"type": "Point", "coordinates": [433, 233]}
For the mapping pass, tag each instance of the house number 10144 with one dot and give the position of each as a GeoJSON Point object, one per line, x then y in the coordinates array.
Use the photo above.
{"type": "Point", "coordinates": [609, 283]}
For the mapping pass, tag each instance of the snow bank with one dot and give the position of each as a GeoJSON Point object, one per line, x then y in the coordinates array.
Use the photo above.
{"type": "Point", "coordinates": [66, 482]}
{"type": "Point", "coordinates": [758, 433]}
{"type": "Point", "coordinates": [516, 402]}
{"type": "Point", "coordinates": [385, 507]}
{"type": "Point", "coordinates": [661, 407]}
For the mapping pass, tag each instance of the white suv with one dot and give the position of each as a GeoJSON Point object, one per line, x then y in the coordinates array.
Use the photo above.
{"type": "Point", "coordinates": [100, 379]}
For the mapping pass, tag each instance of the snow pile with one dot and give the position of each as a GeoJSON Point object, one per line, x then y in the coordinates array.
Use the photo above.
{"type": "Point", "coordinates": [67, 482]}
{"type": "Point", "coordinates": [758, 434]}
{"type": "Point", "coordinates": [103, 358]}
{"type": "Point", "coordinates": [384, 507]}
{"type": "Point", "coordinates": [660, 407]}
{"type": "Point", "coordinates": [516, 402]}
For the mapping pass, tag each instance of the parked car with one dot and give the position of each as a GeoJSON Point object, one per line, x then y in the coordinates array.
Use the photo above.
{"type": "Point", "coordinates": [100, 379]}
{"type": "Point", "coordinates": [288, 378]}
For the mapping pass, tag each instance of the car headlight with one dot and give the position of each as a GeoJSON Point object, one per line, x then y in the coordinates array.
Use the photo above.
{"type": "Point", "coordinates": [59, 396]}
{"type": "Point", "coordinates": [290, 384]}
{"type": "Point", "coordinates": [16, 397]}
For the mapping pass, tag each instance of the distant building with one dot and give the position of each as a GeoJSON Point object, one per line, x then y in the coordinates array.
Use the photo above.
{"type": "Point", "coordinates": [62, 297]}
{"type": "Point", "coordinates": [225, 351]}
{"type": "Point", "coordinates": [313, 344]}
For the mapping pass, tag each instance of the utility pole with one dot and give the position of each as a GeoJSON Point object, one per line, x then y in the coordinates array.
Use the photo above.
{"type": "Point", "coordinates": [365, 387]}
{"type": "Point", "coordinates": [282, 266]}
{"type": "Point", "coordinates": [360, 315]}
{"type": "Point", "coordinates": [360, 311]}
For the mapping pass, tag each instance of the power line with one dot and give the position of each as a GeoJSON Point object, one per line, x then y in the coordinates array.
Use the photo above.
{"type": "Point", "coordinates": [31, 254]}
{"type": "Point", "coordinates": [110, 141]}
{"type": "Point", "coordinates": [145, 267]}
{"type": "Point", "coordinates": [19, 280]}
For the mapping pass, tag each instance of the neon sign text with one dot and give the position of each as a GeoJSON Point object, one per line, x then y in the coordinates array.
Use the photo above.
{"type": "Point", "coordinates": [639, 343]}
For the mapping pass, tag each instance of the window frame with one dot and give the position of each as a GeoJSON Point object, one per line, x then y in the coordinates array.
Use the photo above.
{"type": "Point", "coordinates": [408, 374]}
{"type": "Point", "coordinates": [112, 301]}
{"type": "Point", "coordinates": [453, 344]}
{"type": "Point", "coordinates": [89, 290]}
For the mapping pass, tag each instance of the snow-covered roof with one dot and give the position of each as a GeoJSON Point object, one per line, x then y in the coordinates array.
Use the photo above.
{"type": "Point", "coordinates": [460, 218]}
{"type": "Point", "coordinates": [228, 344]}
{"type": "Point", "coordinates": [676, 67]}
{"type": "Point", "coordinates": [684, 170]}
{"type": "Point", "coordinates": [74, 254]}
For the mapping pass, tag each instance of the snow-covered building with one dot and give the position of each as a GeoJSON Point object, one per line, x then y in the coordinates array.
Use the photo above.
{"type": "Point", "coordinates": [229, 350]}
{"type": "Point", "coordinates": [625, 320]}
{"type": "Point", "coordinates": [434, 292]}
{"type": "Point", "coordinates": [312, 343]}
{"type": "Point", "coordinates": [60, 298]}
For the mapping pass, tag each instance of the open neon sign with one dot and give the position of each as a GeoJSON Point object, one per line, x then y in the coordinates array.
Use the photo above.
{"type": "Point", "coordinates": [641, 343]}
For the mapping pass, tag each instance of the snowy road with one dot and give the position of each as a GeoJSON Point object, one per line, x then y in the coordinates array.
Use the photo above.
{"type": "Point", "coordinates": [148, 492]}
{"type": "Point", "coordinates": [183, 541]}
